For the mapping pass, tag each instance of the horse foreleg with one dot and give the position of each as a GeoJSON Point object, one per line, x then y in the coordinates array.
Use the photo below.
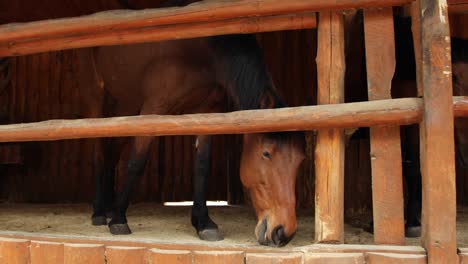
{"type": "Point", "coordinates": [104, 181]}
{"type": "Point", "coordinates": [201, 221]}
{"type": "Point", "coordinates": [99, 210]}
{"type": "Point", "coordinates": [91, 98]}
{"type": "Point", "coordinates": [135, 168]}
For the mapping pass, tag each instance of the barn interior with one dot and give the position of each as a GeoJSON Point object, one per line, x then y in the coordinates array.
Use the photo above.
{"type": "Point", "coordinates": [48, 187]}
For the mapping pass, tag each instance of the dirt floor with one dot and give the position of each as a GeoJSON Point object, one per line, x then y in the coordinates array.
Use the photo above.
{"type": "Point", "coordinates": [172, 224]}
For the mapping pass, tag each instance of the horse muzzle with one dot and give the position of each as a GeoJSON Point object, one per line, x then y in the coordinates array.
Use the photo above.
{"type": "Point", "coordinates": [277, 237]}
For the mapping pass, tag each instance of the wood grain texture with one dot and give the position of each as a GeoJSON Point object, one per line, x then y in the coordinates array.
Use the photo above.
{"type": "Point", "coordinates": [460, 106]}
{"type": "Point", "coordinates": [416, 29]}
{"type": "Point", "coordinates": [14, 251]}
{"type": "Point", "coordinates": [123, 255]}
{"type": "Point", "coordinates": [436, 136]}
{"type": "Point", "coordinates": [387, 182]}
{"type": "Point", "coordinates": [199, 19]}
{"type": "Point", "coordinates": [84, 253]}
{"type": "Point", "coordinates": [392, 258]}
{"type": "Point", "coordinates": [334, 258]}
{"type": "Point", "coordinates": [218, 257]}
{"type": "Point", "coordinates": [198, 12]}
{"type": "Point", "coordinates": [463, 257]}
{"type": "Point", "coordinates": [46, 252]}
{"type": "Point", "coordinates": [382, 112]}
{"type": "Point", "coordinates": [122, 35]}
{"type": "Point", "coordinates": [330, 147]}
{"type": "Point", "coordinates": [457, 6]}
{"type": "Point", "coordinates": [188, 247]}
{"type": "Point", "coordinates": [157, 256]}
{"type": "Point", "coordinates": [274, 258]}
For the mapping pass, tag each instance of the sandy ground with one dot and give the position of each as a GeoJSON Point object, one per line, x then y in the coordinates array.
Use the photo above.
{"type": "Point", "coordinates": [172, 224]}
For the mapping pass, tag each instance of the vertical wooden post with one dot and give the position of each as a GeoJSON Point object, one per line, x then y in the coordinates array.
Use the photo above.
{"type": "Point", "coordinates": [436, 135]}
{"type": "Point", "coordinates": [330, 148]}
{"type": "Point", "coordinates": [416, 28]}
{"type": "Point", "coordinates": [387, 182]}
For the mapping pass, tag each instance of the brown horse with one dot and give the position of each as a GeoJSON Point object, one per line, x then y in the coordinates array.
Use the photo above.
{"type": "Point", "coordinates": [192, 76]}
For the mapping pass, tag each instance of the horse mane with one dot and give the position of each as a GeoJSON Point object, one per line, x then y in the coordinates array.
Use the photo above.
{"type": "Point", "coordinates": [285, 137]}
{"type": "Point", "coordinates": [244, 73]}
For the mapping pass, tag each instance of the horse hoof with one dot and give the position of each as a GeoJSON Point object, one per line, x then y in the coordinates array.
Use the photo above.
{"type": "Point", "coordinates": [413, 231]}
{"type": "Point", "coordinates": [210, 235]}
{"type": "Point", "coordinates": [120, 229]}
{"type": "Point", "coordinates": [99, 220]}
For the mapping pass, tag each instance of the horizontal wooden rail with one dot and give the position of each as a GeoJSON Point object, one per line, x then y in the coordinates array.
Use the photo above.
{"type": "Point", "coordinates": [363, 114]}
{"type": "Point", "coordinates": [119, 22]}
{"type": "Point", "coordinates": [458, 9]}
{"type": "Point", "coordinates": [460, 106]}
{"type": "Point", "coordinates": [458, 6]}
{"type": "Point", "coordinates": [457, 2]}
{"type": "Point", "coordinates": [158, 33]}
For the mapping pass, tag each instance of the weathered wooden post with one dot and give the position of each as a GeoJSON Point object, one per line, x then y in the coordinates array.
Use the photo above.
{"type": "Point", "coordinates": [330, 148]}
{"type": "Point", "coordinates": [436, 135]}
{"type": "Point", "coordinates": [387, 182]}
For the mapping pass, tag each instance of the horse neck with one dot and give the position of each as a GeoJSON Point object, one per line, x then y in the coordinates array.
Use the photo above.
{"type": "Point", "coordinates": [243, 72]}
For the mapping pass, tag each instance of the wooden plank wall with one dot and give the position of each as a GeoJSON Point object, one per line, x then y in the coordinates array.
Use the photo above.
{"type": "Point", "coordinates": [44, 87]}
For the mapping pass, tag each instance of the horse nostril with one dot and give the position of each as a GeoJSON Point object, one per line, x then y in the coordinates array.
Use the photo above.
{"type": "Point", "coordinates": [278, 236]}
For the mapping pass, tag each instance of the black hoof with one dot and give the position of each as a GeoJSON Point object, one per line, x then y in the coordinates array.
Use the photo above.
{"type": "Point", "coordinates": [98, 220]}
{"type": "Point", "coordinates": [413, 231]}
{"type": "Point", "coordinates": [120, 229]}
{"type": "Point", "coordinates": [210, 235]}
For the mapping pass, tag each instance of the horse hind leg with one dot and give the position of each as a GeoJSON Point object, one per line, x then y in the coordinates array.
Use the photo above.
{"type": "Point", "coordinates": [201, 221]}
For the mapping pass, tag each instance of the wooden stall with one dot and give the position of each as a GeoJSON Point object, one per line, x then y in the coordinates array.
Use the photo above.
{"type": "Point", "coordinates": [323, 32]}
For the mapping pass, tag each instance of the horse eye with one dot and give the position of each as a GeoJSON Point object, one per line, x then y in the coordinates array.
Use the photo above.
{"type": "Point", "coordinates": [266, 154]}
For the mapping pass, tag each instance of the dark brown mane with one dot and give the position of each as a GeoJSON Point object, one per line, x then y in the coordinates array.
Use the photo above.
{"type": "Point", "coordinates": [287, 137]}
{"type": "Point", "coordinates": [244, 72]}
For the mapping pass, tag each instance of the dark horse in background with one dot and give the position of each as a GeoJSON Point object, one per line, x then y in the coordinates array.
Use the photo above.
{"type": "Point", "coordinates": [404, 84]}
{"type": "Point", "coordinates": [193, 76]}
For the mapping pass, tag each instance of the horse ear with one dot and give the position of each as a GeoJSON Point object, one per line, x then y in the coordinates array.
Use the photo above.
{"type": "Point", "coordinates": [267, 101]}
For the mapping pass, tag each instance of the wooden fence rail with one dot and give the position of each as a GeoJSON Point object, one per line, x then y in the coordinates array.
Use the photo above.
{"type": "Point", "coordinates": [199, 19]}
{"type": "Point", "coordinates": [122, 35]}
{"type": "Point", "coordinates": [363, 114]}
{"type": "Point", "coordinates": [434, 112]}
